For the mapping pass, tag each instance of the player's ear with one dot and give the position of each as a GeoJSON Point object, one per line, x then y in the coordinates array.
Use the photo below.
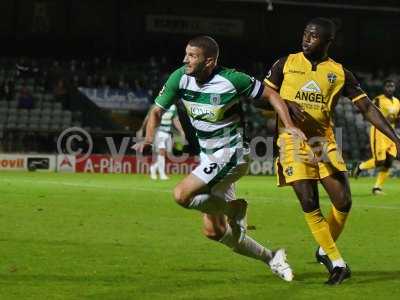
{"type": "Point", "coordinates": [211, 61]}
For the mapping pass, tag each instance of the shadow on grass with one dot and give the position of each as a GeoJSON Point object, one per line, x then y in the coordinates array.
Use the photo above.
{"type": "Point", "coordinates": [357, 277]}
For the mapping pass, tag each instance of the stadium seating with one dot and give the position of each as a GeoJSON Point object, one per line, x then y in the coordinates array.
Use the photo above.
{"type": "Point", "coordinates": [49, 114]}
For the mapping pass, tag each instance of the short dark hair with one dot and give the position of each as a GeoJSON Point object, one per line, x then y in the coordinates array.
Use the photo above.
{"type": "Point", "coordinates": [389, 80]}
{"type": "Point", "coordinates": [207, 43]}
{"type": "Point", "coordinates": [327, 25]}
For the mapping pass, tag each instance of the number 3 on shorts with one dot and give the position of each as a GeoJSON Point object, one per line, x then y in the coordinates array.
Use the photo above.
{"type": "Point", "coordinates": [208, 170]}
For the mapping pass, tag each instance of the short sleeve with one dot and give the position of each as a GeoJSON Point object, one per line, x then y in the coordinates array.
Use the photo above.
{"type": "Point", "coordinates": [274, 76]}
{"type": "Point", "coordinates": [169, 92]}
{"type": "Point", "coordinates": [246, 85]}
{"type": "Point", "coordinates": [352, 88]}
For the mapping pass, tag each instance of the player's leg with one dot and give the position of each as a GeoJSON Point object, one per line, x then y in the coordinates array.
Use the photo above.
{"type": "Point", "coordinates": [162, 154]}
{"type": "Point", "coordinates": [153, 168]}
{"type": "Point", "coordinates": [307, 193]}
{"type": "Point", "coordinates": [383, 174]}
{"type": "Point", "coordinates": [193, 193]}
{"type": "Point", "coordinates": [156, 149]}
{"type": "Point", "coordinates": [218, 229]}
{"type": "Point", "coordinates": [214, 195]}
{"type": "Point", "coordinates": [222, 167]}
{"type": "Point", "coordinates": [338, 188]}
{"type": "Point", "coordinates": [164, 144]}
{"type": "Point", "coordinates": [370, 163]}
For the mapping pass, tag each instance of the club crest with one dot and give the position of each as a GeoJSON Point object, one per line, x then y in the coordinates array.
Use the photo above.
{"type": "Point", "coordinates": [331, 77]}
{"type": "Point", "coordinates": [215, 99]}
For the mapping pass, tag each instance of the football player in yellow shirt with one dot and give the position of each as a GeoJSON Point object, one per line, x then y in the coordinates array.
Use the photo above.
{"type": "Point", "coordinates": [311, 83]}
{"type": "Point", "coordinates": [383, 149]}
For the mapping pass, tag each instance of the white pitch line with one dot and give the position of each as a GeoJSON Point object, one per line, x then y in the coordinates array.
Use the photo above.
{"type": "Point", "coordinates": [259, 199]}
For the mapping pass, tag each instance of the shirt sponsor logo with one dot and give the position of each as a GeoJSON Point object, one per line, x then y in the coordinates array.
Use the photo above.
{"type": "Point", "coordinates": [311, 86]}
{"type": "Point", "coordinates": [190, 96]}
{"type": "Point", "coordinates": [310, 92]}
{"type": "Point", "coordinates": [203, 112]}
{"type": "Point", "coordinates": [296, 72]}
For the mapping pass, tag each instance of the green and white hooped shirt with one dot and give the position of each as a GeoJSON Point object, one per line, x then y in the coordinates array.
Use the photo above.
{"type": "Point", "coordinates": [214, 106]}
{"type": "Point", "coordinates": [166, 119]}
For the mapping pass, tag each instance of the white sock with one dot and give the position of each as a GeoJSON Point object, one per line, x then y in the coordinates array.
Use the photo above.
{"type": "Point", "coordinates": [153, 168]}
{"type": "Point", "coordinates": [209, 204]}
{"type": "Point", "coordinates": [321, 251]}
{"type": "Point", "coordinates": [248, 247]}
{"type": "Point", "coordinates": [338, 263]}
{"type": "Point", "coordinates": [161, 165]}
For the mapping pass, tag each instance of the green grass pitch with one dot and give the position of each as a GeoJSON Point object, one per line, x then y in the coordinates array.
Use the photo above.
{"type": "Point", "coordinates": [87, 236]}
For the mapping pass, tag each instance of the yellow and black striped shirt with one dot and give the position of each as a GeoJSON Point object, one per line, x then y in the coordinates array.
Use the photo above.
{"type": "Point", "coordinates": [315, 88]}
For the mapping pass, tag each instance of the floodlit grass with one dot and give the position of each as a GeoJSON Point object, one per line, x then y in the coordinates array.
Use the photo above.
{"type": "Point", "coordinates": [86, 236]}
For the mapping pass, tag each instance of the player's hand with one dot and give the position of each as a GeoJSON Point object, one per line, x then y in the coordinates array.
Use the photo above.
{"type": "Point", "coordinates": [296, 112]}
{"type": "Point", "coordinates": [142, 146]}
{"type": "Point", "coordinates": [296, 133]}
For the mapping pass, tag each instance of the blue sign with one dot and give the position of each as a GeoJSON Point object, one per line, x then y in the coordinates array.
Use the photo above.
{"type": "Point", "coordinates": [116, 99]}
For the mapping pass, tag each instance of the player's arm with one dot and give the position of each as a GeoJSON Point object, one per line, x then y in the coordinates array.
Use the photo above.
{"type": "Point", "coordinates": [274, 80]}
{"type": "Point", "coordinates": [352, 89]}
{"type": "Point", "coordinates": [398, 120]}
{"type": "Point", "coordinates": [374, 115]}
{"type": "Point", "coordinates": [139, 133]}
{"type": "Point", "coordinates": [281, 109]}
{"type": "Point", "coordinates": [179, 127]}
{"type": "Point", "coordinates": [153, 121]}
{"type": "Point", "coordinates": [254, 89]}
{"type": "Point", "coordinates": [164, 100]}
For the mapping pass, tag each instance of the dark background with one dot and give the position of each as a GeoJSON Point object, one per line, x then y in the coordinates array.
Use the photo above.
{"type": "Point", "coordinates": [81, 28]}
{"type": "Point", "coordinates": [135, 45]}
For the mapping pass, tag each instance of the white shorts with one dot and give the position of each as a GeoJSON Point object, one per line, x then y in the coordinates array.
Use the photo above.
{"type": "Point", "coordinates": [162, 140]}
{"type": "Point", "coordinates": [221, 170]}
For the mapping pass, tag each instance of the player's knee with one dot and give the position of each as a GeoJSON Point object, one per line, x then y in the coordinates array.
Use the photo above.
{"type": "Point", "coordinates": [345, 202]}
{"type": "Point", "coordinates": [388, 163]}
{"type": "Point", "coordinates": [309, 204]}
{"type": "Point", "coordinates": [180, 196]}
{"type": "Point", "coordinates": [215, 233]}
{"type": "Point", "coordinates": [346, 206]}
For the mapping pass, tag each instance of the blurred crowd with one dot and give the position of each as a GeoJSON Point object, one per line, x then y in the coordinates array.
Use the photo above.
{"type": "Point", "coordinates": [31, 83]}
{"type": "Point", "coordinates": [21, 77]}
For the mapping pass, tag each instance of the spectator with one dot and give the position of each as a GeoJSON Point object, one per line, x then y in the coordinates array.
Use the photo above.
{"type": "Point", "coordinates": [104, 82]}
{"type": "Point", "coordinates": [138, 89]}
{"type": "Point", "coordinates": [61, 93]}
{"type": "Point", "coordinates": [122, 84]}
{"type": "Point", "coordinates": [76, 82]}
{"type": "Point", "coordinates": [22, 68]}
{"type": "Point", "coordinates": [25, 99]}
{"type": "Point", "coordinates": [89, 82]}
{"type": "Point", "coordinates": [9, 90]}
